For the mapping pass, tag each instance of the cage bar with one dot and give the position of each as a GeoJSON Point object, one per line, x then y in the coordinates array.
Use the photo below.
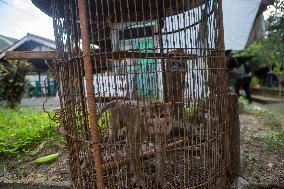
{"type": "Point", "coordinates": [143, 92]}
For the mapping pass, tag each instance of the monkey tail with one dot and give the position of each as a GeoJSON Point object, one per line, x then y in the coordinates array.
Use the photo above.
{"type": "Point", "coordinates": [108, 106]}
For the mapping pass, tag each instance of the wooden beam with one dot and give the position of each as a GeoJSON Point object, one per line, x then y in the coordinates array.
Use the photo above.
{"type": "Point", "coordinates": [50, 55]}
{"type": "Point", "coordinates": [28, 55]}
{"type": "Point", "coordinates": [120, 55]}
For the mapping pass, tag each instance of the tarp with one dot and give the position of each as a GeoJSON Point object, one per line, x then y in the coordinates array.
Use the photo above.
{"type": "Point", "coordinates": [238, 16]}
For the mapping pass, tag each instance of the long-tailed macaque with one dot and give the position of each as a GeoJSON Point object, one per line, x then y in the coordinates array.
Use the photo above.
{"type": "Point", "coordinates": [141, 120]}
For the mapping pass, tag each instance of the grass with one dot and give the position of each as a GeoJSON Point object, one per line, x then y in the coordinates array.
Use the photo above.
{"type": "Point", "coordinates": [255, 109]}
{"type": "Point", "coordinates": [24, 130]}
{"type": "Point", "coordinates": [250, 160]}
{"type": "Point", "coordinates": [273, 137]}
{"type": "Point", "coordinates": [29, 131]}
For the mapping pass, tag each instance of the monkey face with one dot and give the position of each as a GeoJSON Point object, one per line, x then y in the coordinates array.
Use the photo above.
{"type": "Point", "coordinates": [160, 121]}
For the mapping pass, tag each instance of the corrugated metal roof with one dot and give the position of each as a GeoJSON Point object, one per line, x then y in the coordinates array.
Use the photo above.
{"type": "Point", "coordinates": [6, 42]}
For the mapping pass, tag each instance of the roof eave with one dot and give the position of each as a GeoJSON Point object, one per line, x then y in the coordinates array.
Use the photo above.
{"type": "Point", "coordinates": [29, 37]}
{"type": "Point", "coordinates": [44, 6]}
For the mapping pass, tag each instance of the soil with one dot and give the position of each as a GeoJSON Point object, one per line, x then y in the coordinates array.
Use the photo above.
{"type": "Point", "coordinates": [24, 169]}
{"type": "Point", "coordinates": [263, 166]}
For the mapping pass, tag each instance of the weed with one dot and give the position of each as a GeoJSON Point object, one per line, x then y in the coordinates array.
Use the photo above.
{"type": "Point", "coordinates": [250, 160]}
{"type": "Point", "coordinates": [23, 130]}
{"type": "Point", "coordinates": [275, 138]}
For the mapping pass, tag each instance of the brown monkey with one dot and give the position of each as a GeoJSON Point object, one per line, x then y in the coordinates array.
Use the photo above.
{"type": "Point", "coordinates": [141, 120]}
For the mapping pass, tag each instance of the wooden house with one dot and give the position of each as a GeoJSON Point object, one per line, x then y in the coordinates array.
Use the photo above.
{"type": "Point", "coordinates": [39, 71]}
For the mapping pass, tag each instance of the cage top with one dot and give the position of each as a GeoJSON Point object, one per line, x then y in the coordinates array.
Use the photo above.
{"type": "Point", "coordinates": [127, 10]}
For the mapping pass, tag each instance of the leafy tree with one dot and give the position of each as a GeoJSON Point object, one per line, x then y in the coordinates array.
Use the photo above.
{"type": "Point", "coordinates": [273, 43]}
{"type": "Point", "coordinates": [270, 49]}
{"type": "Point", "coordinates": [13, 82]}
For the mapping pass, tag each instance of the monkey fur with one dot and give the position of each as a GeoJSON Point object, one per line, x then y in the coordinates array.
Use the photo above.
{"type": "Point", "coordinates": [141, 120]}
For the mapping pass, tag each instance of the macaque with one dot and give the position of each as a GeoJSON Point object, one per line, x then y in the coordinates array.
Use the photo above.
{"type": "Point", "coordinates": [141, 120]}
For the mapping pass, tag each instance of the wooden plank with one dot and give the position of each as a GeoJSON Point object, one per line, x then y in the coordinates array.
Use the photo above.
{"type": "Point", "coordinates": [28, 55]}
{"type": "Point", "coordinates": [119, 55]}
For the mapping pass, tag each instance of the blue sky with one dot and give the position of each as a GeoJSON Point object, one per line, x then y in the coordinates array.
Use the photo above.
{"type": "Point", "coordinates": [23, 18]}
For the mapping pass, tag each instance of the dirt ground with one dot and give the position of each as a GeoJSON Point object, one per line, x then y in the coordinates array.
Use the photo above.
{"type": "Point", "coordinates": [24, 169]}
{"type": "Point", "coordinates": [261, 149]}
{"type": "Point", "coordinates": [264, 164]}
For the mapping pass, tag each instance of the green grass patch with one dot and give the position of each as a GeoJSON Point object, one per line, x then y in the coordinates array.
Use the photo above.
{"type": "Point", "coordinates": [250, 160]}
{"type": "Point", "coordinates": [255, 109]}
{"type": "Point", "coordinates": [275, 138]}
{"type": "Point", "coordinates": [273, 134]}
{"type": "Point", "coordinates": [23, 130]}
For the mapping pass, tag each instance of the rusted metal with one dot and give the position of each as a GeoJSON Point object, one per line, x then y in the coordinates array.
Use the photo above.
{"type": "Point", "coordinates": [52, 55]}
{"type": "Point", "coordinates": [143, 92]}
{"type": "Point", "coordinates": [138, 55]}
{"type": "Point", "coordinates": [143, 10]}
{"type": "Point", "coordinates": [28, 55]}
{"type": "Point", "coordinates": [90, 91]}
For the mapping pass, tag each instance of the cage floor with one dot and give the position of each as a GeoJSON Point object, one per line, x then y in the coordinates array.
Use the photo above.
{"type": "Point", "coordinates": [180, 169]}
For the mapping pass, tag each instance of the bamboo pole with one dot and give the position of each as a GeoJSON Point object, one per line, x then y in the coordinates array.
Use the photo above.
{"type": "Point", "coordinates": [90, 91]}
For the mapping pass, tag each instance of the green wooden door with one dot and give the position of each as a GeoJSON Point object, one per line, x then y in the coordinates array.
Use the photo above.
{"type": "Point", "coordinates": [145, 69]}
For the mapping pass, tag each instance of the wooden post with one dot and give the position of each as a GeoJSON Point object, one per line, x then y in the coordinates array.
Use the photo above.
{"type": "Point", "coordinates": [90, 91]}
{"type": "Point", "coordinates": [234, 125]}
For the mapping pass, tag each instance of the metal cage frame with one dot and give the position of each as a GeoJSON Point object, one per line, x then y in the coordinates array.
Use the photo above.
{"type": "Point", "coordinates": [161, 67]}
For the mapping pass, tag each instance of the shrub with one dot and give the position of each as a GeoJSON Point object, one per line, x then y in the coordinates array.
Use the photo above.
{"type": "Point", "coordinates": [254, 84]}
{"type": "Point", "coordinates": [13, 82]}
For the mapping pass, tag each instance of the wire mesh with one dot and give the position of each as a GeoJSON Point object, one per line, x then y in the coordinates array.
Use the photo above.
{"type": "Point", "coordinates": [159, 79]}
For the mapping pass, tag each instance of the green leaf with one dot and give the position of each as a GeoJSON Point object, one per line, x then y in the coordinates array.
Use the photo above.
{"type": "Point", "coordinates": [47, 159]}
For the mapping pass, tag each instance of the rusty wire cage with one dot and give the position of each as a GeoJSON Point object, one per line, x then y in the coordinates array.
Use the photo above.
{"type": "Point", "coordinates": [142, 87]}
